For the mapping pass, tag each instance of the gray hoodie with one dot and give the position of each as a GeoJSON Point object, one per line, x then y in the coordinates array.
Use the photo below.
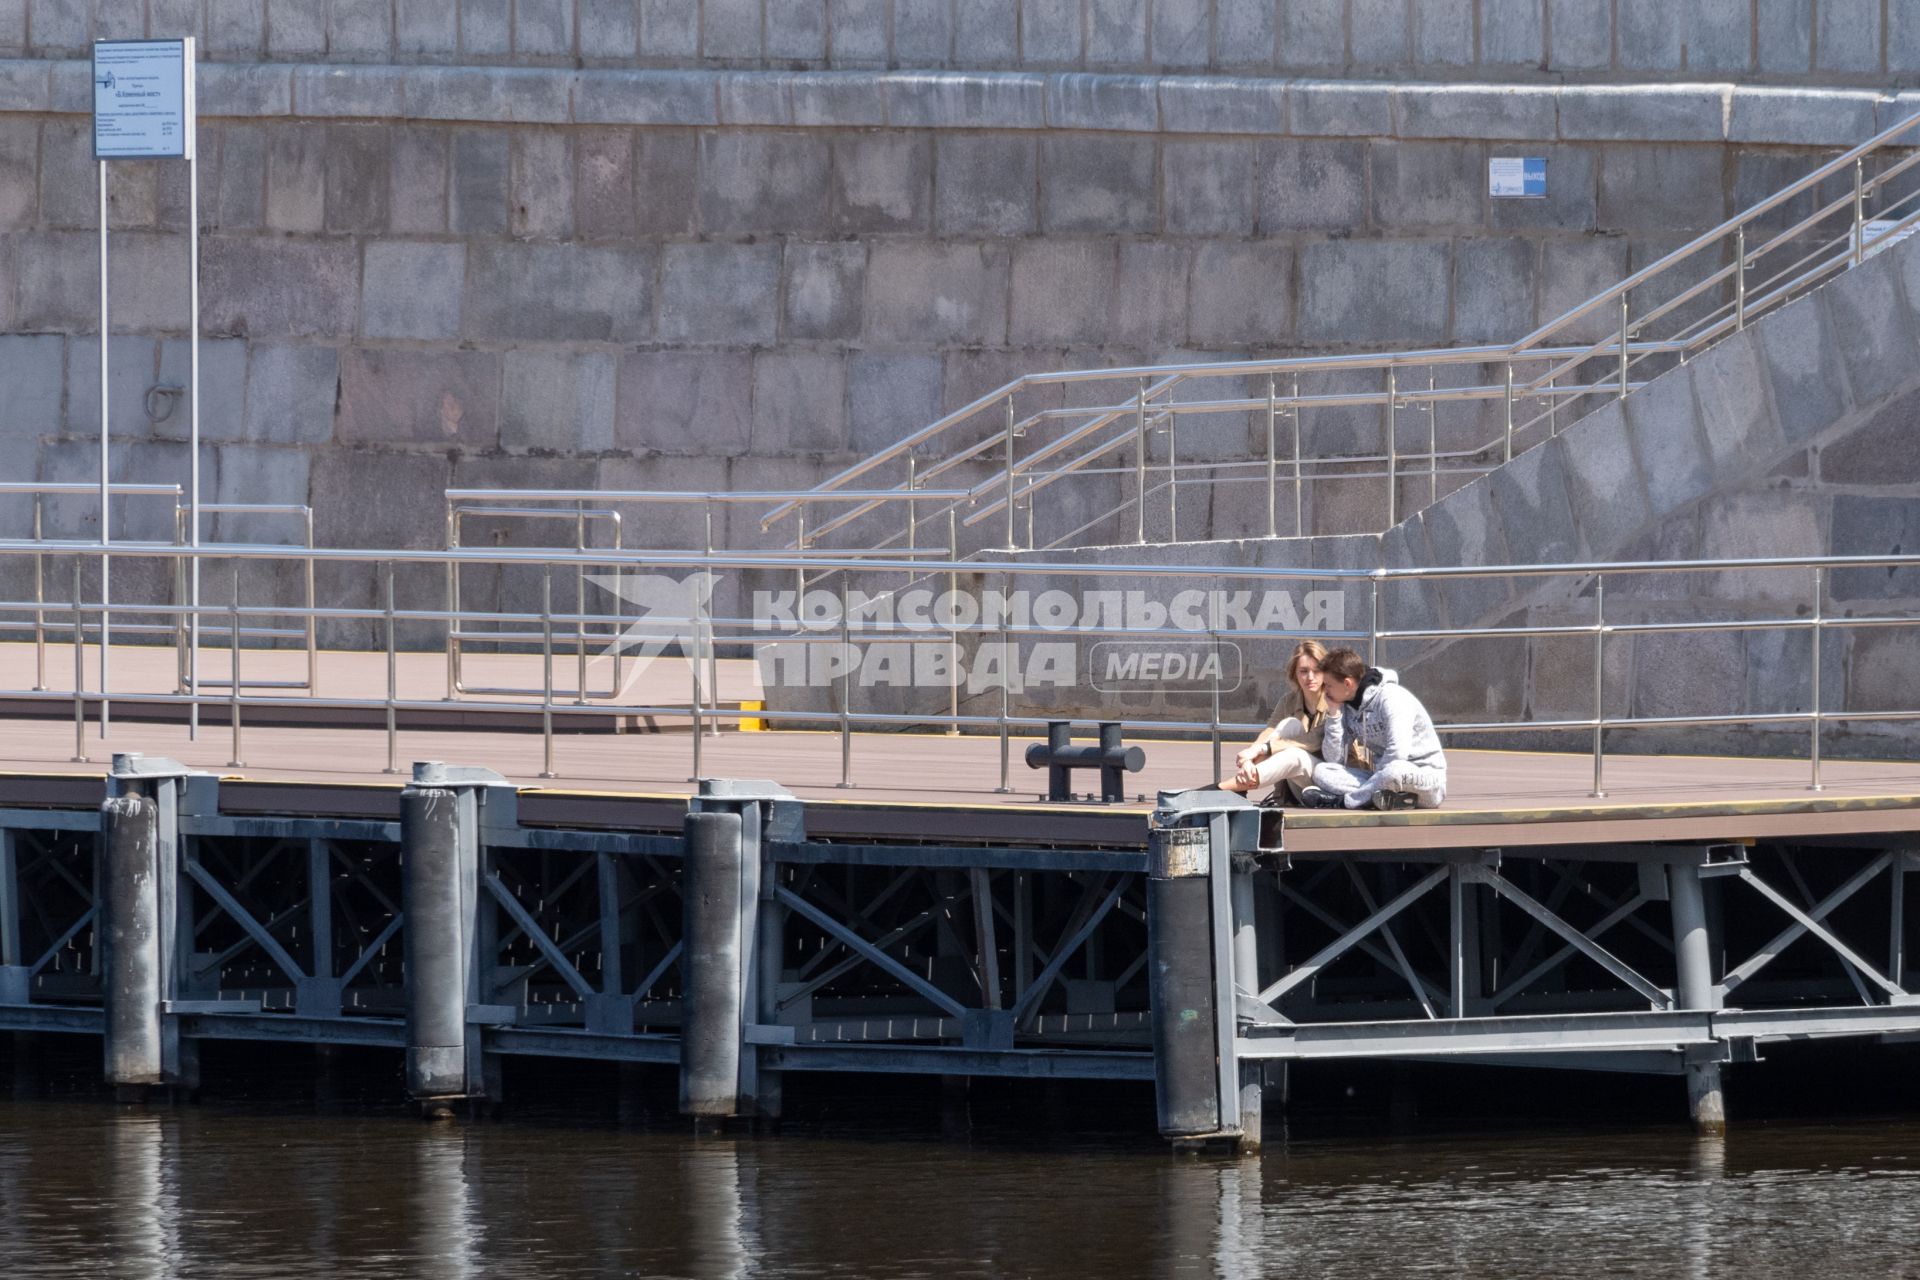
{"type": "Point", "coordinates": [1389, 722]}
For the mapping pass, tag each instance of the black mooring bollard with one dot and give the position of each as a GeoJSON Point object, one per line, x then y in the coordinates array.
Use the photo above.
{"type": "Point", "coordinates": [129, 826]}
{"type": "Point", "coordinates": [710, 1014]}
{"type": "Point", "coordinates": [435, 944]}
{"type": "Point", "coordinates": [1060, 757]}
{"type": "Point", "coordinates": [1180, 982]}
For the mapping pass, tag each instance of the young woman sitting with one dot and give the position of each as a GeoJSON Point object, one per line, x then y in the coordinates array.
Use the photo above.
{"type": "Point", "coordinates": [1284, 754]}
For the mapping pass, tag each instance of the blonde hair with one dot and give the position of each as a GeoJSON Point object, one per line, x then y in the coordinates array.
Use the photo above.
{"type": "Point", "coordinates": [1293, 698]}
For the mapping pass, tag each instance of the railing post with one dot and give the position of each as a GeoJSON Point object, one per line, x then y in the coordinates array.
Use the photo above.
{"type": "Point", "coordinates": [79, 672]}
{"type": "Point", "coordinates": [393, 681]}
{"type": "Point", "coordinates": [1393, 449]}
{"type": "Point", "coordinates": [580, 600]}
{"type": "Point", "coordinates": [912, 518]}
{"type": "Point", "coordinates": [1273, 463]}
{"type": "Point", "coordinates": [953, 633]}
{"type": "Point", "coordinates": [1173, 479]}
{"type": "Point", "coordinates": [1859, 210]}
{"type": "Point", "coordinates": [800, 552]}
{"type": "Point", "coordinates": [1813, 753]}
{"type": "Point", "coordinates": [1740, 279]}
{"type": "Point", "coordinates": [39, 598]}
{"type": "Point", "coordinates": [1140, 466]}
{"type": "Point", "coordinates": [1599, 679]}
{"type": "Point", "coordinates": [1625, 334]}
{"type": "Point", "coordinates": [1509, 408]}
{"type": "Point", "coordinates": [1013, 543]}
{"type": "Point", "coordinates": [233, 662]}
{"type": "Point", "coordinates": [546, 671]}
{"type": "Point", "coordinates": [1299, 483]}
{"type": "Point", "coordinates": [846, 687]}
{"type": "Point", "coordinates": [1433, 438]}
{"type": "Point", "coordinates": [453, 605]}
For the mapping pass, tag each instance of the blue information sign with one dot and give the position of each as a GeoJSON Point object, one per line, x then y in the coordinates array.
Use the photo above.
{"type": "Point", "coordinates": [143, 99]}
{"type": "Point", "coordinates": [1517, 177]}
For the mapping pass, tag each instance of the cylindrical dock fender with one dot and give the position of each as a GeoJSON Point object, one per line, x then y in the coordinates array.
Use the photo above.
{"type": "Point", "coordinates": [436, 937]}
{"type": "Point", "coordinates": [130, 941]}
{"type": "Point", "coordinates": [710, 1008]}
{"type": "Point", "coordinates": [1180, 984]}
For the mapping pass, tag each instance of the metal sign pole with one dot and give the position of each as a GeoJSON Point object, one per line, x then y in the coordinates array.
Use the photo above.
{"type": "Point", "coordinates": [193, 397]}
{"type": "Point", "coordinates": [106, 634]}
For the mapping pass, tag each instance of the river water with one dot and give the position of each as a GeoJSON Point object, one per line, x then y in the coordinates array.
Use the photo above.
{"type": "Point", "coordinates": [580, 1180]}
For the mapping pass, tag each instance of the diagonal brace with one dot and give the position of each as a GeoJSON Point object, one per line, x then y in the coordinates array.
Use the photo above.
{"type": "Point", "coordinates": [1346, 941]}
{"type": "Point", "coordinates": [537, 936]}
{"type": "Point", "coordinates": [372, 948]}
{"type": "Point", "coordinates": [1030, 1000]}
{"type": "Point", "coordinates": [1820, 931]}
{"type": "Point", "coordinates": [1793, 932]}
{"type": "Point", "coordinates": [1585, 945]}
{"type": "Point", "coordinates": [1334, 923]}
{"type": "Point", "coordinates": [800, 906]}
{"type": "Point", "coordinates": [231, 905]}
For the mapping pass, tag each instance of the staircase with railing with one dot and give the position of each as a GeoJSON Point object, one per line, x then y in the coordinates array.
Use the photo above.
{"type": "Point", "coordinates": [1345, 444]}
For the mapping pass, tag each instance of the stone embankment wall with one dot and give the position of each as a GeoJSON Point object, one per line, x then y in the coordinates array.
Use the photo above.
{"type": "Point", "coordinates": [738, 245]}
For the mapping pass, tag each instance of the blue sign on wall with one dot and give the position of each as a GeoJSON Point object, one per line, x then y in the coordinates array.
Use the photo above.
{"type": "Point", "coordinates": [1517, 177]}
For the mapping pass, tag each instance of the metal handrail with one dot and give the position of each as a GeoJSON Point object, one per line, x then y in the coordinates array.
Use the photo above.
{"type": "Point", "coordinates": [1622, 346]}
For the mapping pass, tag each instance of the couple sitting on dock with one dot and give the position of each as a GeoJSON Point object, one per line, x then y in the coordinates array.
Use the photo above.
{"type": "Point", "coordinates": [1344, 734]}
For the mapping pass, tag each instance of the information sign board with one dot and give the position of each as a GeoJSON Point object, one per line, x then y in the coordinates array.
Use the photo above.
{"type": "Point", "coordinates": [1517, 177]}
{"type": "Point", "coordinates": [143, 99]}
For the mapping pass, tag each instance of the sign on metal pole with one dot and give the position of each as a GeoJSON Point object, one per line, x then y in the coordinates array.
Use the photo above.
{"type": "Point", "coordinates": [144, 109]}
{"type": "Point", "coordinates": [143, 99]}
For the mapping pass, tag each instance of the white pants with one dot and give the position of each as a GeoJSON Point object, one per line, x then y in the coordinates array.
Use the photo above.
{"type": "Point", "coordinates": [1358, 786]}
{"type": "Point", "coordinates": [1290, 765]}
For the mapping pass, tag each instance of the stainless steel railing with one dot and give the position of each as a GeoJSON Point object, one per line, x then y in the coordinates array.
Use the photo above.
{"type": "Point", "coordinates": [844, 633]}
{"type": "Point", "coordinates": [1605, 347]}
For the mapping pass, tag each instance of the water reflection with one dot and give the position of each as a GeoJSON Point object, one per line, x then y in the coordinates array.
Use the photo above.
{"type": "Point", "coordinates": [87, 1188]}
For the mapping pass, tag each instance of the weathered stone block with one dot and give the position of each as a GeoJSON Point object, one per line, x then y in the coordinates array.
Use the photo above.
{"type": "Point", "coordinates": [1875, 525]}
{"type": "Point", "coordinates": [357, 164]}
{"type": "Point", "coordinates": [685, 402]}
{"type": "Point", "coordinates": [1340, 108]}
{"type": "Point", "coordinates": [1875, 452]}
{"type": "Point", "coordinates": [32, 368]}
{"type": "Point", "coordinates": [1115, 103]}
{"type": "Point", "coordinates": [1740, 526]}
{"type": "Point", "coordinates": [131, 369]}
{"type": "Point", "coordinates": [1062, 292]}
{"type": "Point", "coordinates": [1312, 185]}
{"type": "Point", "coordinates": [987, 184]}
{"type": "Point", "coordinates": [719, 293]}
{"type": "Point", "coordinates": [1241, 295]}
{"type": "Point", "coordinates": [889, 396]}
{"type": "Point", "coordinates": [1223, 104]}
{"type": "Point", "coordinates": [279, 288]}
{"type": "Point", "coordinates": [1116, 33]}
{"type": "Point", "coordinates": [61, 26]}
{"type": "Point", "coordinates": [1572, 199]}
{"type": "Point", "coordinates": [797, 31]}
{"type": "Point", "coordinates": [1382, 32]}
{"type": "Point", "coordinates": [223, 389]}
{"type": "Point", "coordinates": [360, 30]}
{"type": "Point", "coordinates": [1512, 33]}
{"type": "Point", "coordinates": [1571, 272]}
{"type": "Point", "coordinates": [522, 95]}
{"type": "Point", "coordinates": [604, 208]}
{"type": "Point", "coordinates": [1849, 36]}
{"type": "Point", "coordinates": [1605, 493]}
{"type": "Point", "coordinates": [752, 182]}
{"type": "Point", "coordinates": [645, 97]}
{"type": "Point", "coordinates": [1244, 34]}
{"type": "Point", "coordinates": [1582, 38]}
{"type": "Point", "coordinates": [291, 393]}
{"type": "Point", "coordinates": [250, 473]}
{"type": "Point", "coordinates": [1099, 185]}
{"type": "Point", "coordinates": [754, 98]}
{"type": "Point", "coordinates": [1463, 529]}
{"type": "Point", "coordinates": [799, 402]}
{"type": "Point", "coordinates": [25, 85]}
{"type": "Point", "coordinates": [1001, 100]}
{"type": "Point", "coordinates": [1374, 291]}
{"type": "Point", "coordinates": [1795, 343]}
{"type": "Point", "coordinates": [486, 28]}
{"type": "Point", "coordinates": [1779, 671]}
{"type": "Point", "coordinates": [1492, 290]}
{"type": "Point", "coordinates": [730, 30]}
{"type": "Point", "coordinates": [1649, 35]}
{"type": "Point", "coordinates": [665, 164]}
{"type": "Point", "coordinates": [1875, 331]}
{"type": "Point", "coordinates": [553, 292]}
{"type": "Point", "coordinates": [1209, 187]}
{"type": "Point", "coordinates": [1050, 32]}
{"type": "Point", "coordinates": [922, 33]}
{"type": "Point", "coordinates": [1664, 420]}
{"type": "Point", "coordinates": [1182, 33]}
{"type": "Point", "coordinates": [19, 155]}
{"type": "Point", "coordinates": [843, 98]}
{"type": "Point", "coordinates": [933, 294]}
{"type": "Point", "coordinates": [69, 181]}
{"type": "Point", "coordinates": [412, 290]}
{"type": "Point", "coordinates": [669, 29]}
{"type": "Point", "coordinates": [825, 287]}
{"type": "Point", "coordinates": [423, 28]}
{"type": "Point", "coordinates": [1443, 33]}
{"type": "Point", "coordinates": [1689, 673]}
{"type": "Point", "coordinates": [420, 397]}
{"type": "Point", "coordinates": [417, 180]}
{"type": "Point", "coordinates": [1418, 185]}
{"type": "Point", "coordinates": [296, 29]}
{"type": "Point", "coordinates": [9, 273]}
{"type": "Point", "coordinates": [1736, 413]}
{"type": "Point", "coordinates": [558, 401]}
{"type": "Point", "coordinates": [1645, 113]}
{"type": "Point", "coordinates": [1717, 35]}
{"type": "Point", "coordinates": [479, 190]}
{"type": "Point", "coordinates": [1806, 117]}
{"type": "Point", "coordinates": [1903, 39]}
{"type": "Point", "coordinates": [1662, 190]}
{"type": "Point", "coordinates": [236, 26]}
{"type": "Point", "coordinates": [47, 264]}
{"type": "Point", "coordinates": [332, 92]}
{"type": "Point", "coordinates": [543, 28]}
{"type": "Point", "coordinates": [857, 33]}
{"type": "Point", "coordinates": [1476, 111]}
{"type": "Point", "coordinates": [236, 196]}
{"type": "Point", "coordinates": [1532, 498]}
{"type": "Point", "coordinates": [1784, 37]}
{"type": "Point", "coordinates": [541, 186]}
{"type": "Point", "coordinates": [882, 182]}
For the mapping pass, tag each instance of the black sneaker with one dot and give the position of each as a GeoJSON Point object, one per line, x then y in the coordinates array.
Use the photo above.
{"type": "Point", "coordinates": [1320, 798]}
{"type": "Point", "coordinates": [1395, 800]}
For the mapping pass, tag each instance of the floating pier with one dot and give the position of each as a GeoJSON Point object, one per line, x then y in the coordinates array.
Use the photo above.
{"type": "Point", "coordinates": [1198, 945]}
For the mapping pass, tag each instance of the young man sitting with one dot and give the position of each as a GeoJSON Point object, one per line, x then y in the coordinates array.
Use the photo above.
{"type": "Point", "coordinates": [1370, 706]}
